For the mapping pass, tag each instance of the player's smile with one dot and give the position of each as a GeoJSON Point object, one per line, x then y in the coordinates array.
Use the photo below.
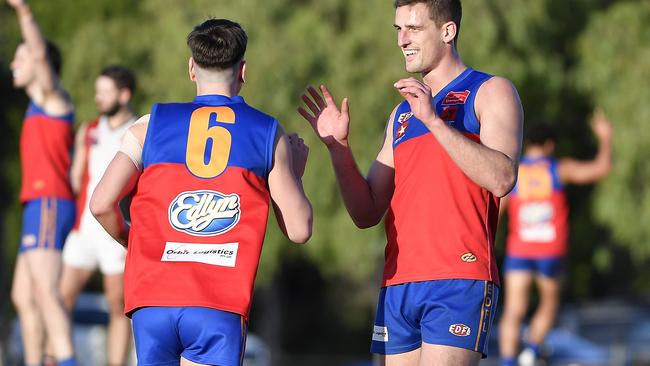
{"type": "Point", "coordinates": [410, 53]}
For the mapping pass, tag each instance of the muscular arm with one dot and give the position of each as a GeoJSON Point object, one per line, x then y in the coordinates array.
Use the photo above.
{"type": "Point", "coordinates": [586, 172]}
{"type": "Point", "coordinates": [366, 199]}
{"type": "Point", "coordinates": [118, 180]}
{"type": "Point", "coordinates": [492, 164]}
{"type": "Point", "coordinates": [290, 204]}
{"type": "Point", "coordinates": [79, 159]}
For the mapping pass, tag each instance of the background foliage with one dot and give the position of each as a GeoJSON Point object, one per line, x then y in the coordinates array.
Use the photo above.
{"type": "Point", "coordinates": [566, 58]}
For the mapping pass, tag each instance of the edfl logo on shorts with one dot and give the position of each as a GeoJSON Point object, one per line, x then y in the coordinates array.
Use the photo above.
{"type": "Point", "coordinates": [204, 213]}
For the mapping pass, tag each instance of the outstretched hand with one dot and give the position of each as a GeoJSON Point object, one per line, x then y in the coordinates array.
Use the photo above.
{"type": "Point", "coordinates": [601, 126]}
{"type": "Point", "coordinates": [418, 95]}
{"type": "Point", "coordinates": [16, 3]}
{"type": "Point", "coordinates": [330, 124]}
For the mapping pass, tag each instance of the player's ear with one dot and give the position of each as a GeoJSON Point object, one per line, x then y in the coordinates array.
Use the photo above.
{"type": "Point", "coordinates": [449, 31]}
{"type": "Point", "coordinates": [125, 96]}
{"type": "Point", "coordinates": [190, 69]}
{"type": "Point", "coordinates": [242, 71]}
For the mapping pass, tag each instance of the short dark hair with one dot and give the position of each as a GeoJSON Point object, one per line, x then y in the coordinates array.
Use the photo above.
{"type": "Point", "coordinates": [217, 44]}
{"type": "Point", "coordinates": [540, 133]}
{"type": "Point", "coordinates": [53, 55]}
{"type": "Point", "coordinates": [123, 77]}
{"type": "Point", "coordinates": [440, 11]}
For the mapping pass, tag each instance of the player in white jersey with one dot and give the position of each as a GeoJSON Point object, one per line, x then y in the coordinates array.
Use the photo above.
{"type": "Point", "coordinates": [88, 246]}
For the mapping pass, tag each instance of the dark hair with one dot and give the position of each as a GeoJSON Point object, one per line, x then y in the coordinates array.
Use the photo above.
{"type": "Point", "coordinates": [440, 11]}
{"type": "Point", "coordinates": [217, 44]}
{"type": "Point", "coordinates": [121, 76]}
{"type": "Point", "coordinates": [53, 55]}
{"type": "Point", "coordinates": [540, 133]}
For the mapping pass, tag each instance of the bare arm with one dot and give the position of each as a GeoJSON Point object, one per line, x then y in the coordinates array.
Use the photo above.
{"type": "Point", "coordinates": [79, 159]}
{"type": "Point", "coordinates": [586, 172]}
{"type": "Point", "coordinates": [492, 164]}
{"type": "Point", "coordinates": [366, 199]}
{"type": "Point", "coordinates": [292, 208]}
{"type": "Point", "coordinates": [118, 180]}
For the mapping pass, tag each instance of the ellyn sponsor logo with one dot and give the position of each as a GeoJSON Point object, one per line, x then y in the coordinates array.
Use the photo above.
{"type": "Point", "coordinates": [204, 213]}
{"type": "Point", "coordinates": [468, 257]}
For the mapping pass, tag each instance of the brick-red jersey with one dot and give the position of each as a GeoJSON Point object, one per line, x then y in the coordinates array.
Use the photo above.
{"type": "Point", "coordinates": [45, 148]}
{"type": "Point", "coordinates": [537, 211]}
{"type": "Point", "coordinates": [200, 208]}
{"type": "Point", "coordinates": [440, 224]}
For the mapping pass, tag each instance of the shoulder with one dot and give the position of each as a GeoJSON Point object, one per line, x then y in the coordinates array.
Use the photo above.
{"type": "Point", "coordinates": [497, 95]}
{"type": "Point", "coordinates": [495, 87]}
{"type": "Point", "coordinates": [139, 128]}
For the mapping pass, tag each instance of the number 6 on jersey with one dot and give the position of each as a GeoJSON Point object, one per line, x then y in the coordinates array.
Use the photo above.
{"type": "Point", "coordinates": [200, 133]}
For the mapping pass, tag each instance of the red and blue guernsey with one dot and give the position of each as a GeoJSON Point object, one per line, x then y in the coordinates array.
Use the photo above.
{"type": "Point", "coordinates": [538, 212]}
{"type": "Point", "coordinates": [200, 207]}
{"type": "Point", "coordinates": [45, 147]}
{"type": "Point", "coordinates": [440, 224]}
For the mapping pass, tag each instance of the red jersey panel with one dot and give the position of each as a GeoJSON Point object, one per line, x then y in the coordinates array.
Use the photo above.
{"type": "Point", "coordinates": [200, 208]}
{"type": "Point", "coordinates": [45, 147]}
{"type": "Point", "coordinates": [537, 211]}
{"type": "Point", "coordinates": [440, 224]}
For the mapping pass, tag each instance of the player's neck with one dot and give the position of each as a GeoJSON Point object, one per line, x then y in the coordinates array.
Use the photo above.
{"type": "Point", "coordinates": [228, 90]}
{"type": "Point", "coordinates": [535, 152]}
{"type": "Point", "coordinates": [121, 117]}
{"type": "Point", "coordinates": [445, 72]}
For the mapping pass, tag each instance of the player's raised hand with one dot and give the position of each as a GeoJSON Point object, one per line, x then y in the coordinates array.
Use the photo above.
{"type": "Point", "coordinates": [299, 151]}
{"type": "Point", "coordinates": [331, 124]}
{"type": "Point", "coordinates": [16, 3]}
{"type": "Point", "coordinates": [418, 95]}
{"type": "Point", "coordinates": [601, 126]}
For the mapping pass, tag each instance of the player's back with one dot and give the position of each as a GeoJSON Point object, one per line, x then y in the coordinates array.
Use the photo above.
{"type": "Point", "coordinates": [537, 211]}
{"type": "Point", "coordinates": [200, 208]}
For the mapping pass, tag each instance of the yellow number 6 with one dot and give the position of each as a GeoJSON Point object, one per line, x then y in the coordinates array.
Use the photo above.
{"type": "Point", "coordinates": [197, 140]}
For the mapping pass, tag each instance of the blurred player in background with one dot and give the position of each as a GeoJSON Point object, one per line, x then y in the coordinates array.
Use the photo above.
{"type": "Point", "coordinates": [89, 246]}
{"type": "Point", "coordinates": [205, 171]}
{"type": "Point", "coordinates": [537, 234]}
{"type": "Point", "coordinates": [450, 151]}
{"type": "Point", "coordinates": [46, 195]}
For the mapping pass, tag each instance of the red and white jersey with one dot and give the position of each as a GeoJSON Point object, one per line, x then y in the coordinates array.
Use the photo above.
{"type": "Point", "coordinates": [538, 212]}
{"type": "Point", "coordinates": [440, 225]}
{"type": "Point", "coordinates": [100, 142]}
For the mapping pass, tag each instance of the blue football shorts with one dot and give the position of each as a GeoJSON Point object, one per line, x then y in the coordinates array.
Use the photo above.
{"type": "Point", "coordinates": [203, 335]}
{"type": "Point", "coordinates": [46, 223]}
{"type": "Point", "coordinates": [456, 313]}
{"type": "Point", "coordinates": [551, 267]}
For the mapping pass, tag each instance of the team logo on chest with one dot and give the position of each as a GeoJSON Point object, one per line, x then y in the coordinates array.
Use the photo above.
{"type": "Point", "coordinates": [456, 98]}
{"type": "Point", "coordinates": [203, 213]}
{"type": "Point", "coordinates": [404, 117]}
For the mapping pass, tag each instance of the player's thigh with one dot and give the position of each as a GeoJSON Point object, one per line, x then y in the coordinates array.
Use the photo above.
{"type": "Point", "coordinates": [45, 267]}
{"type": "Point", "coordinates": [73, 280]}
{"type": "Point", "coordinates": [21, 287]}
{"type": "Point", "coordinates": [46, 223]}
{"type": "Point", "coordinates": [459, 313]}
{"type": "Point", "coordinates": [114, 291]}
{"type": "Point", "coordinates": [411, 358]}
{"type": "Point", "coordinates": [78, 251]}
{"type": "Point", "coordinates": [156, 336]}
{"type": "Point", "coordinates": [440, 355]}
{"type": "Point", "coordinates": [396, 329]}
{"type": "Point", "coordinates": [110, 254]}
{"type": "Point", "coordinates": [517, 284]}
{"type": "Point", "coordinates": [549, 291]}
{"type": "Point", "coordinates": [212, 337]}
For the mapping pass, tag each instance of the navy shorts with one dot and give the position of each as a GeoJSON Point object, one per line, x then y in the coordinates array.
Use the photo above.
{"type": "Point", "coordinates": [455, 313]}
{"type": "Point", "coordinates": [46, 223]}
{"type": "Point", "coordinates": [551, 267]}
{"type": "Point", "coordinates": [202, 335]}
